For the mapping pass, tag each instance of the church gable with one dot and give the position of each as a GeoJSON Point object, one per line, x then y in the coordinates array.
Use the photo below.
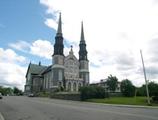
{"type": "Point", "coordinates": [71, 65]}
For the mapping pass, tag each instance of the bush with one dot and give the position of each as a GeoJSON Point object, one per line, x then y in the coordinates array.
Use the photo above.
{"type": "Point", "coordinates": [89, 92]}
{"type": "Point", "coordinates": [43, 94]}
{"type": "Point", "coordinates": [155, 98]}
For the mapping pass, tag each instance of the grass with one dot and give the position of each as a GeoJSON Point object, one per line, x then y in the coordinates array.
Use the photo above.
{"type": "Point", "coordinates": [123, 100]}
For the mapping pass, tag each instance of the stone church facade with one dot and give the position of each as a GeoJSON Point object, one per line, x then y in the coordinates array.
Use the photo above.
{"type": "Point", "coordinates": [66, 72]}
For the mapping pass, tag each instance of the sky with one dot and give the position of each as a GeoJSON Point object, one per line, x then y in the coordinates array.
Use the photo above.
{"type": "Point", "coordinates": [115, 31]}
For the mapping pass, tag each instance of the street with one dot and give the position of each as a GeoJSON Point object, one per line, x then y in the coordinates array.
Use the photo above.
{"type": "Point", "coordinates": [32, 108]}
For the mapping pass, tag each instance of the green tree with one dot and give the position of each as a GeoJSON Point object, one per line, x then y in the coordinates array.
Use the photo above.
{"type": "Point", "coordinates": [153, 89]}
{"type": "Point", "coordinates": [17, 91]}
{"type": "Point", "coordinates": [112, 82]}
{"type": "Point", "coordinates": [6, 91]}
{"type": "Point", "coordinates": [127, 88]}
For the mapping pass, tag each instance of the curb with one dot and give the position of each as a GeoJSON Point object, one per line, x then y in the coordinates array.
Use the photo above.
{"type": "Point", "coordinates": [114, 105]}
{"type": "Point", "coordinates": [1, 117]}
{"type": "Point", "coordinates": [127, 106]}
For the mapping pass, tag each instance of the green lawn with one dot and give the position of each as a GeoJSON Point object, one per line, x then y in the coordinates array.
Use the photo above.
{"type": "Point", "coordinates": [123, 100]}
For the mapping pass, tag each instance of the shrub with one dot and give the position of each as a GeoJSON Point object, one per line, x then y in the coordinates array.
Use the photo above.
{"type": "Point", "coordinates": [155, 98]}
{"type": "Point", "coordinates": [43, 94]}
{"type": "Point", "coordinates": [89, 92]}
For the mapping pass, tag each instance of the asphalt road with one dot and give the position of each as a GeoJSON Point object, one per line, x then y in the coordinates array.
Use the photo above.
{"type": "Point", "coordinates": [25, 108]}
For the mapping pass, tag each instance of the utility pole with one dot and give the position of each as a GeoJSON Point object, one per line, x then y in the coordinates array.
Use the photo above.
{"type": "Point", "coordinates": [147, 91]}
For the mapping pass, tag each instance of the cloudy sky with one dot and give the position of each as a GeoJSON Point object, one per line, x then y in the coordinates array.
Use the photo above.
{"type": "Point", "coordinates": [115, 31]}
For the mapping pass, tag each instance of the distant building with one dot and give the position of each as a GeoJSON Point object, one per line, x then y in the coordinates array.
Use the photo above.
{"type": "Point", "coordinates": [66, 72]}
{"type": "Point", "coordinates": [103, 83]}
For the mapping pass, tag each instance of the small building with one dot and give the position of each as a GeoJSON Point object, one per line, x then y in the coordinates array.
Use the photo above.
{"type": "Point", "coordinates": [103, 83]}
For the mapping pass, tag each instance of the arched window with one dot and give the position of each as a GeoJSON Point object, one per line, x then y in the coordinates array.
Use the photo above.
{"type": "Point", "coordinates": [79, 86]}
{"type": "Point", "coordinates": [69, 86]}
{"type": "Point", "coordinates": [74, 86]}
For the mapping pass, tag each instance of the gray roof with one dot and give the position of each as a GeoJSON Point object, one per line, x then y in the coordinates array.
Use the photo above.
{"type": "Point", "coordinates": [35, 69]}
{"type": "Point", "coordinates": [46, 70]}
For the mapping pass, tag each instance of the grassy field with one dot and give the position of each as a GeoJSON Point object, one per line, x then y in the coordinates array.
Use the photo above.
{"type": "Point", "coordinates": [123, 100]}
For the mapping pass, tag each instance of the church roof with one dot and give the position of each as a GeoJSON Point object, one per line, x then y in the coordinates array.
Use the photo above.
{"type": "Point", "coordinates": [46, 70]}
{"type": "Point", "coordinates": [71, 55]}
{"type": "Point", "coordinates": [35, 69]}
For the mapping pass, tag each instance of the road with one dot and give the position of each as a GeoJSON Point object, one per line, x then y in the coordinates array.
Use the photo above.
{"type": "Point", "coordinates": [25, 108]}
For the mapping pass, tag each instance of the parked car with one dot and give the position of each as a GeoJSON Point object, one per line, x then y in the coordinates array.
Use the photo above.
{"type": "Point", "coordinates": [1, 96]}
{"type": "Point", "coordinates": [31, 95]}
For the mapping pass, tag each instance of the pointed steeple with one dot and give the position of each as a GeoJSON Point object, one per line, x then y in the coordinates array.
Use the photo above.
{"type": "Point", "coordinates": [59, 30]}
{"type": "Point", "coordinates": [59, 46]}
{"type": "Point", "coordinates": [82, 50]}
{"type": "Point", "coordinates": [82, 32]}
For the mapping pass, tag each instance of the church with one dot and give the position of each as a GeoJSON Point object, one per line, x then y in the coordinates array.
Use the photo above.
{"type": "Point", "coordinates": [66, 72]}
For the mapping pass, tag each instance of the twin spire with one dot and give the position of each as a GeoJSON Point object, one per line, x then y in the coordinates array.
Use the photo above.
{"type": "Point", "coordinates": [59, 46]}
{"type": "Point", "coordinates": [59, 30]}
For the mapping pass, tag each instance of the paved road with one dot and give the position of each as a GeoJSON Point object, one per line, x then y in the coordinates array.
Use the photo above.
{"type": "Point", "coordinates": [25, 108]}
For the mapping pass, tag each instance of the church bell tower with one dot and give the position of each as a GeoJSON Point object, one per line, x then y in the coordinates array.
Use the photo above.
{"type": "Point", "coordinates": [58, 58]}
{"type": "Point", "coordinates": [83, 60]}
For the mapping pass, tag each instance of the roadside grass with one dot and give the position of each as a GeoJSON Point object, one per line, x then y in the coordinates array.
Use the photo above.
{"type": "Point", "coordinates": [124, 101]}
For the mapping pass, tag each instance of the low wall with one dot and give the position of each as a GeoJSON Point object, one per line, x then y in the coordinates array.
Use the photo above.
{"type": "Point", "coordinates": [115, 94]}
{"type": "Point", "coordinates": [66, 96]}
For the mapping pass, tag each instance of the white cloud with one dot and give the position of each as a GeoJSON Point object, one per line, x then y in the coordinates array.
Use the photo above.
{"type": "Point", "coordinates": [42, 48]}
{"type": "Point", "coordinates": [51, 23]}
{"type": "Point", "coordinates": [20, 45]}
{"type": "Point", "coordinates": [11, 72]}
{"type": "Point", "coordinates": [9, 55]}
{"type": "Point", "coordinates": [39, 47]}
{"type": "Point", "coordinates": [113, 29]}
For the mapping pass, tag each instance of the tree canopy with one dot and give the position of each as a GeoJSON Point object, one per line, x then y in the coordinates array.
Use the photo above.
{"type": "Point", "coordinates": [127, 88]}
{"type": "Point", "coordinates": [112, 82]}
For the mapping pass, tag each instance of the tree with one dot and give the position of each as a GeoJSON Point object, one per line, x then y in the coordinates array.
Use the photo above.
{"type": "Point", "coordinates": [153, 89]}
{"type": "Point", "coordinates": [127, 88]}
{"type": "Point", "coordinates": [112, 82]}
{"type": "Point", "coordinates": [6, 91]}
{"type": "Point", "coordinates": [17, 91]}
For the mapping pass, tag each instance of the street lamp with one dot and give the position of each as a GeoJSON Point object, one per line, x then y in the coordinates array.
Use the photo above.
{"type": "Point", "coordinates": [147, 91]}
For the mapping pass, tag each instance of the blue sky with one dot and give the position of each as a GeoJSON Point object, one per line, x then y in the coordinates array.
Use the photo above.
{"type": "Point", "coordinates": [22, 20]}
{"type": "Point", "coordinates": [115, 31]}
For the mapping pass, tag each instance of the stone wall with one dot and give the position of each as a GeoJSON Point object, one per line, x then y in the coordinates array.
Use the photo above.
{"type": "Point", "coordinates": [66, 96]}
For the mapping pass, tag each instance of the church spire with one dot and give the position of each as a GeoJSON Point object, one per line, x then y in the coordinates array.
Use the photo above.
{"type": "Point", "coordinates": [82, 32]}
{"type": "Point", "coordinates": [59, 31]}
{"type": "Point", "coordinates": [59, 46]}
{"type": "Point", "coordinates": [82, 50]}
